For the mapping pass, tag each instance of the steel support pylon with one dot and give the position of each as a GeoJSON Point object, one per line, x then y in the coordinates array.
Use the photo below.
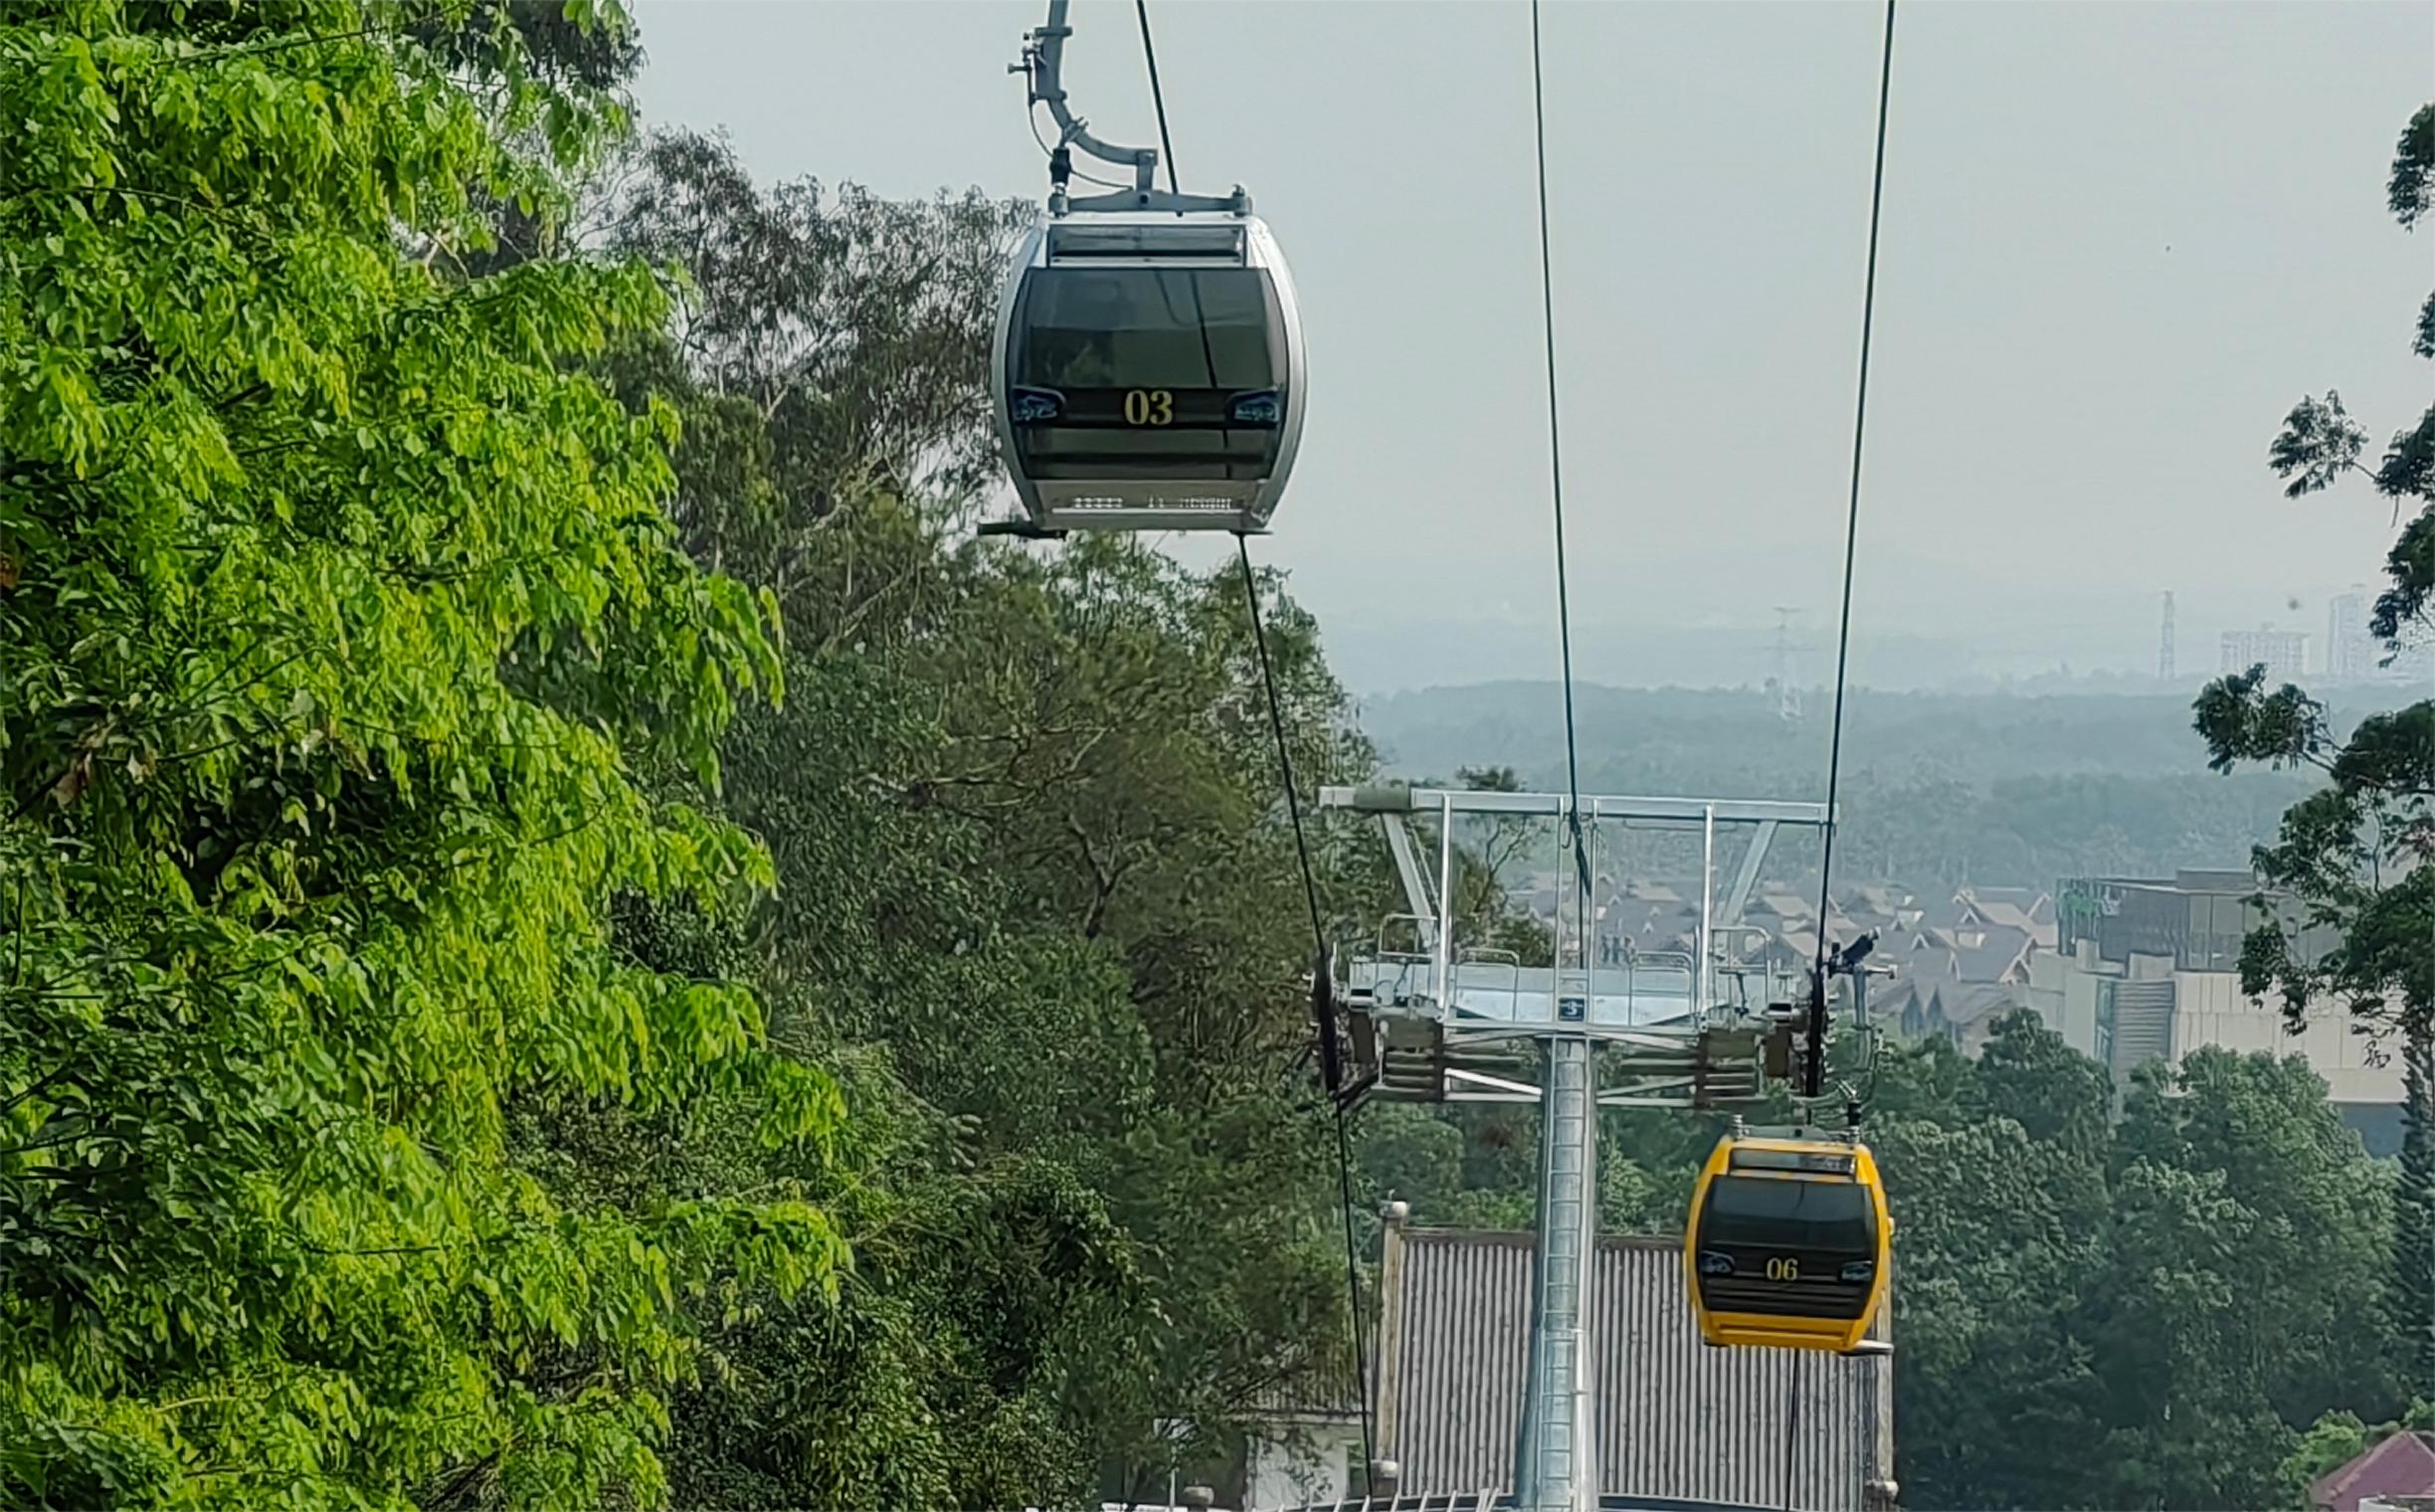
{"type": "Point", "coordinates": [1556, 1466]}
{"type": "Point", "coordinates": [1434, 1037]}
{"type": "Point", "coordinates": [1556, 1463]}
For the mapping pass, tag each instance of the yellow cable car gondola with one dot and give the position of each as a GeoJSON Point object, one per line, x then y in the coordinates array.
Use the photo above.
{"type": "Point", "coordinates": [1790, 1241]}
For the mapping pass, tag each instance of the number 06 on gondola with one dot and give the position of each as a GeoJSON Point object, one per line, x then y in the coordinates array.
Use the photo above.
{"type": "Point", "coordinates": [1788, 1243]}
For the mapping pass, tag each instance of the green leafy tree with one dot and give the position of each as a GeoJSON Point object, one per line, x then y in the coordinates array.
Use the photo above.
{"type": "Point", "coordinates": [1032, 868]}
{"type": "Point", "coordinates": [2028, 1074]}
{"type": "Point", "coordinates": [989, 1276]}
{"type": "Point", "coordinates": [1997, 1241]}
{"type": "Point", "coordinates": [2331, 1442]}
{"type": "Point", "coordinates": [338, 616]}
{"type": "Point", "coordinates": [2355, 851]}
{"type": "Point", "coordinates": [2000, 1196]}
{"type": "Point", "coordinates": [854, 327]}
{"type": "Point", "coordinates": [2249, 1249]}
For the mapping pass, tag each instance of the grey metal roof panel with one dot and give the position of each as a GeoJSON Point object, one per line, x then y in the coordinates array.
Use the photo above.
{"type": "Point", "coordinates": [1676, 1420]}
{"type": "Point", "coordinates": [1492, 1501]}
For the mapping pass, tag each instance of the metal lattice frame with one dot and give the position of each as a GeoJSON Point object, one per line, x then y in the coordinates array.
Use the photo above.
{"type": "Point", "coordinates": [1421, 1033]}
{"type": "Point", "coordinates": [1429, 1025]}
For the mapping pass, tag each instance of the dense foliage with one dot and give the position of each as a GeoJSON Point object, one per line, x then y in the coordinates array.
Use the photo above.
{"type": "Point", "coordinates": [2356, 852]}
{"type": "Point", "coordinates": [1023, 812]}
{"type": "Point", "coordinates": [337, 616]}
{"type": "Point", "coordinates": [421, 1090]}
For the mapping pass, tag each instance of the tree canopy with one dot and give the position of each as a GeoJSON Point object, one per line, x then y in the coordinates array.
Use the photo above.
{"type": "Point", "coordinates": [2355, 852]}
{"type": "Point", "coordinates": [338, 622]}
{"type": "Point", "coordinates": [468, 1040]}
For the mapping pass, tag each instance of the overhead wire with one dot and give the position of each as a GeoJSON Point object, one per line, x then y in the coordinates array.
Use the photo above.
{"type": "Point", "coordinates": [1851, 540]}
{"type": "Point", "coordinates": [1319, 963]}
{"type": "Point", "coordinates": [1293, 810]}
{"type": "Point", "coordinates": [1851, 517]}
{"type": "Point", "coordinates": [1563, 615]}
{"type": "Point", "coordinates": [1158, 93]}
{"type": "Point", "coordinates": [1276, 727]}
{"type": "Point", "coordinates": [1157, 101]}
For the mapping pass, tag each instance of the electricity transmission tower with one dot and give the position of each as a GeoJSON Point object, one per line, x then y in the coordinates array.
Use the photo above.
{"type": "Point", "coordinates": [1788, 698]}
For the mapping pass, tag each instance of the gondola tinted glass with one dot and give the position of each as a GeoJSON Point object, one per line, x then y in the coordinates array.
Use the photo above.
{"type": "Point", "coordinates": [1787, 1247]}
{"type": "Point", "coordinates": [1147, 372]}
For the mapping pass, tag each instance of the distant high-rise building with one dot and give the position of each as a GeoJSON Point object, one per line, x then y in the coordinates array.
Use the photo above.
{"type": "Point", "coordinates": [2164, 641]}
{"type": "Point", "coordinates": [2352, 652]}
{"type": "Point", "coordinates": [2283, 653]}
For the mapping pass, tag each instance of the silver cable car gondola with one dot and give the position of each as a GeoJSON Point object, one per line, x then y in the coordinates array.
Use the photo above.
{"type": "Point", "coordinates": [1148, 368]}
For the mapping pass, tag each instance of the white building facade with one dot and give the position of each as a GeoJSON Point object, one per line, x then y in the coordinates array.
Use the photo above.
{"type": "Point", "coordinates": [2283, 653]}
{"type": "Point", "coordinates": [2149, 970]}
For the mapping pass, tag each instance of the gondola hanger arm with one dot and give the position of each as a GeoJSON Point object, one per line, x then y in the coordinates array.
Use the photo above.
{"type": "Point", "coordinates": [1043, 68]}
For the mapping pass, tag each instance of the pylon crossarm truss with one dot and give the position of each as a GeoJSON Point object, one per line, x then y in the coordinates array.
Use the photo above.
{"type": "Point", "coordinates": [1673, 1029]}
{"type": "Point", "coordinates": [1396, 799]}
{"type": "Point", "coordinates": [1711, 1070]}
{"type": "Point", "coordinates": [1604, 1025]}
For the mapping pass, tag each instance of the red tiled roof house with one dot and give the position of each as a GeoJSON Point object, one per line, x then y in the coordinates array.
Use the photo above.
{"type": "Point", "coordinates": [2401, 1466]}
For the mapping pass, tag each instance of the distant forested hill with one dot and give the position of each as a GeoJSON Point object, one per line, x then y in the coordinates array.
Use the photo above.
{"type": "Point", "coordinates": [1939, 788]}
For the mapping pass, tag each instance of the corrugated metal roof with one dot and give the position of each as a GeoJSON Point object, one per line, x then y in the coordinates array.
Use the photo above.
{"type": "Point", "coordinates": [1676, 1419]}
{"type": "Point", "coordinates": [1322, 1386]}
{"type": "Point", "coordinates": [1488, 1501]}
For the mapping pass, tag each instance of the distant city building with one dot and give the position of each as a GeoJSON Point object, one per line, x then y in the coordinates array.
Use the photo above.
{"type": "Point", "coordinates": [2149, 970]}
{"type": "Point", "coordinates": [2353, 654]}
{"type": "Point", "coordinates": [2283, 653]}
{"type": "Point", "coordinates": [2350, 651]}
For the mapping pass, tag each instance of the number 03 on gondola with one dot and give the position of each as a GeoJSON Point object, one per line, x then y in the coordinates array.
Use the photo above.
{"type": "Point", "coordinates": [1149, 369]}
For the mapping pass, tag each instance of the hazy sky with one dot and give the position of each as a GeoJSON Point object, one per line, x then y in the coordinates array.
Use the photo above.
{"type": "Point", "coordinates": [2121, 238]}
